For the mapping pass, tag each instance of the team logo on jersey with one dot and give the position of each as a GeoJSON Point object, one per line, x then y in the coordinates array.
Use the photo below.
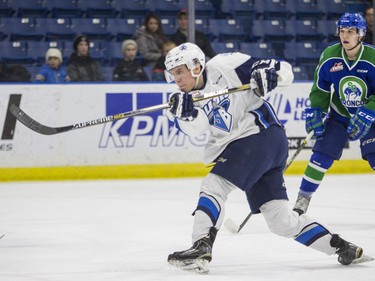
{"type": "Point", "coordinates": [337, 67]}
{"type": "Point", "coordinates": [353, 91]}
{"type": "Point", "coordinates": [219, 117]}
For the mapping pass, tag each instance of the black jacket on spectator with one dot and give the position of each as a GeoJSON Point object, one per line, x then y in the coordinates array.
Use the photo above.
{"type": "Point", "coordinates": [129, 71]}
{"type": "Point", "coordinates": [200, 39]}
{"type": "Point", "coordinates": [14, 73]}
{"type": "Point", "coordinates": [83, 69]}
{"type": "Point", "coordinates": [368, 37]}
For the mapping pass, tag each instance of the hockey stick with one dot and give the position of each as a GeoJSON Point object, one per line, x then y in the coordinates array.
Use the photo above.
{"type": "Point", "coordinates": [230, 224]}
{"type": "Point", "coordinates": [46, 130]}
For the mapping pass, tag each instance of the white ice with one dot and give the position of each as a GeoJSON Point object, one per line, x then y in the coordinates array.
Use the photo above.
{"type": "Point", "coordinates": [124, 230]}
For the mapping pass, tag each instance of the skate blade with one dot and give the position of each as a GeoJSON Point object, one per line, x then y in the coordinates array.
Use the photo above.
{"type": "Point", "coordinates": [362, 259]}
{"type": "Point", "coordinates": [197, 265]}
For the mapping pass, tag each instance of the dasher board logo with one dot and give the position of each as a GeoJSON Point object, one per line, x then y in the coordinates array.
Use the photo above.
{"type": "Point", "coordinates": [147, 130]}
{"type": "Point", "coordinates": [288, 110]}
{"type": "Point", "coordinates": [9, 126]}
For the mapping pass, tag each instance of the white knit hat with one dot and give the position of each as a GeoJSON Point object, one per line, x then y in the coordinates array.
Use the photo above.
{"type": "Point", "coordinates": [54, 52]}
{"type": "Point", "coordinates": [126, 43]}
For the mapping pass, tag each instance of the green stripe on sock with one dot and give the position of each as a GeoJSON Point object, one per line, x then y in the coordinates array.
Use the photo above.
{"type": "Point", "coordinates": [314, 174]}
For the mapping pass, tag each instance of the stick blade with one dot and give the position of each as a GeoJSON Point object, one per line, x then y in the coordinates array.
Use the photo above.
{"type": "Point", "coordinates": [231, 226]}
{"type": "Point", "coordinates": [30, 123]}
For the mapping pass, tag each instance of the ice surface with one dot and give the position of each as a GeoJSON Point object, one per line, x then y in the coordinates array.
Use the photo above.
{"type": "Point", "coordinates": [124, 230]}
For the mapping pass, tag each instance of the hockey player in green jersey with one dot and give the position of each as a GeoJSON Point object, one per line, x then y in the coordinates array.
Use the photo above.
{"type": "Point", "coordinates": [342, 104]}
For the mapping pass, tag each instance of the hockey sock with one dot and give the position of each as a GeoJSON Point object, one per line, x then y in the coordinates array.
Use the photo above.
{"type": "Point", "coordinates": [210, 206]}
{"type": "Point", "coordinates": [314, 173]}
{"type": "Point", "coordinates": [316, 237]}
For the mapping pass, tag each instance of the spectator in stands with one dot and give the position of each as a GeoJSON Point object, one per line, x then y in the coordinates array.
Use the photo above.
{"type": "Point", "coordinates": [52, 71]}
{"type": "Point", "coordinates": [81, 66]}
{"type": "Point", "coordinates": [158, 70]}
{"type": "Point", "coordinates": [150, 38]}
{"type": "Point", "coordinates": [182, 32]}
{"type": "Point", "coordinates": [13, 73]}
{"type": "Point", "coordinates": [369, 17]}
{"type": "Point", "coordinates": [128, 69]}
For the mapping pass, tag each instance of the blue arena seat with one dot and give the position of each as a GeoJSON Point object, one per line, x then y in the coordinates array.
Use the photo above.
{"type": "Point", "coordinates": [37, 50]}
{"type": "Point", "coordinates": [225, 47]}
{"type": "Point", "coordinates": [302, 73]}
{"type": "Point", "coordinates": [54, 28]}
{"type": "Point", "coordinates": [227, 30]}
{"type": "Point", "coordinates": [333, 9]}
{"type": "Point", "coordinates": [329, 29]}
{"type": "Point", "coordinates": [271, 31]}
{"type": "Point", "coordinates": [6, 10]}
{"type": "Point", "coordinates": [203, 8]}
{"type": "Point", "coordinates": [168, 25]}
{"type": "Point", "coordinates": [112, 52]}
{"type": "Point", "coordinates": [98, 8]}
{"type": "Point", "coordinates": [107, 72]}
{"type": "Point", "coordinates": [306, 31]}
{"type": "Point", "coordinates": [164, 8]}
{"type": "Point", "coordinates": [15, 53]}
{"type": "Point", "coordinates": [242, 10]}
{"type": "Point", "coordinates": [97, 53]}
{"type": "Point", "coordinates": [30, 8]}
{"type": "Point", "coordinates": [130, 8]}
{"type": "Point", "coordinates": [299, 53]}
{"type": "Point", "coordinates": [64, 9]}
{"type": "Point", "coordinates": [20, 29]}
{"type": "Point", "coordinates": [274, 9]}
{"type": "Point", "coordinates": [257, 50]}
{"type": "Point", "coordinates": [94, 28]}
{"type": "Point", "coordinates": [123, 28]}
{"type": "Point", "coordinates": [33, 71]}
{"type": "Point", "coordinates": [308, 10]}
{"type": "Point", "coordinates": [202, 24]}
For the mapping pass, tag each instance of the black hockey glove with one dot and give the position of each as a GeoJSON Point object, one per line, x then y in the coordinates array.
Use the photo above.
{"type": "Point", "coordinates": [264, 77]}
{"type": "Point", "coordinates": [182, 106]}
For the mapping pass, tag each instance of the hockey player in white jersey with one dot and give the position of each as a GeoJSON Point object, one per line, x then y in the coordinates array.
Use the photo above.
{"type": "Point", "coordinates": [248, 145]}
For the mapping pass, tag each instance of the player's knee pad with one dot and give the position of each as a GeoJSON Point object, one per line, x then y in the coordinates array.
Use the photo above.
{"type": "Point", "coordinates": [321, 160]}
{"type": "Point", "coordinates": [371, 160]}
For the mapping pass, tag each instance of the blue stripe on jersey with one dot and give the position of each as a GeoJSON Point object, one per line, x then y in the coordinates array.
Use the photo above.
{"type": "Point", "coordinates": [207, 206]}
{"type": "Point", "coordinates": [311, 235]}
{"type": "Point", "coordinates": [265, 116]}
{"type": "Point", "coordinates": [262, 119]}
{"type": "Point", "coordinates": [272, 112]}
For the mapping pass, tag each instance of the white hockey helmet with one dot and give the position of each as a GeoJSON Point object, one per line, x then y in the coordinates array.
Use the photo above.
{"type": "Point", "coordinates": [187, 53]}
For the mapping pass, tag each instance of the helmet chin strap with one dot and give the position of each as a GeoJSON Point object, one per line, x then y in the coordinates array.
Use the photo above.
{"type": "Point", "coordinates": [359, 42]}
{"type": "Point", "coordinates": [196, 77]}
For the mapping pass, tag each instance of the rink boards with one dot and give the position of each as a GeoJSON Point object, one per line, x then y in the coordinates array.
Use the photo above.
{"type": "Point", "coordinates": [143, 146]}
